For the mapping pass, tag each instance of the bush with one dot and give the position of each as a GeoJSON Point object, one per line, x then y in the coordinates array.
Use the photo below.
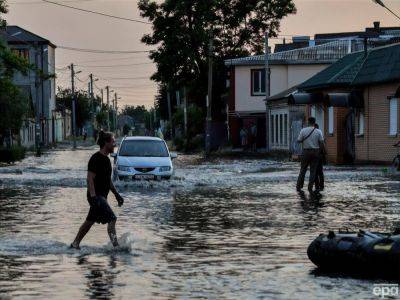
{"type": "Point", "coordinates": [12, 154]}
{"type": "Point", "coordinates": [179, 143]}
{"type": "Point", "coordinates": [194, 144]}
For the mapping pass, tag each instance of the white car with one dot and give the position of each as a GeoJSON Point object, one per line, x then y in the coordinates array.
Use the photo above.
{"type": "Point", "coordinates": [143, 158]}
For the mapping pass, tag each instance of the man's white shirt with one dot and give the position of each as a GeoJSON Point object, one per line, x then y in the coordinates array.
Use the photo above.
{"type": "Point", "coordinates": [313, 141]}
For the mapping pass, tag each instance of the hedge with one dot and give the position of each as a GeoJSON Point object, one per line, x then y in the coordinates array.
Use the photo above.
{"type": "Point", "coordinates": [12, 154]}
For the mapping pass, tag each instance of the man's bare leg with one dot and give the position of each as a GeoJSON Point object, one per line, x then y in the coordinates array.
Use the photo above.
{"type": "Point", "coordinates": [112, 233]}
{"type": "Point", "coordinates": [83, 230]}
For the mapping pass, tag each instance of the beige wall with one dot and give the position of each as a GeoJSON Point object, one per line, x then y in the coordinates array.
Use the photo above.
{"type": "Point", "coordinates": [283, 77]}
{"type": "Point", "coordinates": [299, 73]}
{"type": "Point", "coordinates": [376, 143]}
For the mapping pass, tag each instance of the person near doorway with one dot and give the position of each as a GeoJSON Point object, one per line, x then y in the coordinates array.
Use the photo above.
{"type": "Point", "coordinates": [312, 141]}
{"type": "Point", "coordinates": [99, 184]}
{"type": "Point", "coordinates": [243, 138]}
{"type": "Point", "coordinates": [253, 134]}
{"type": "Point", "coordinates": [319, 179]}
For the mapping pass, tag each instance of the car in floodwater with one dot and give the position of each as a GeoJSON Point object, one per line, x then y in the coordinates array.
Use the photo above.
{"type": "Point", "coordinates": [143, 158]}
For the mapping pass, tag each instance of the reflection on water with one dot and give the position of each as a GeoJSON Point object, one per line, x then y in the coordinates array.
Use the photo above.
{"type": "Point", "coordinates": [228, 229]}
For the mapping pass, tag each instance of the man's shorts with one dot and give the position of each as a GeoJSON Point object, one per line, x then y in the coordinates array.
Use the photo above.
{"type": "Point", "coordinates": [100, 211]}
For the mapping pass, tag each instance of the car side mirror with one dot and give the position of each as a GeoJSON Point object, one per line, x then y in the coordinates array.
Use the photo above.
{"type": "Point", "coordinates": [173, 155]}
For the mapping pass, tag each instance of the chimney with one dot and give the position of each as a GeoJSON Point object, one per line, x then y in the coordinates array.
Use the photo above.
{"type": "Point", "coordinates": [377, 26]}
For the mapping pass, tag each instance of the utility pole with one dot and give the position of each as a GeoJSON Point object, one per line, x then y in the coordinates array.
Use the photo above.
{"type": "Point", "coordinates": [102, 98]}
{"type": "Point", "coordinates": [170, 113]}
{"type": "Point", "coordinates": [115, 112]}
{"type": "Point", "coordinates": [73, 105]}
{"type": "Point", "coordinates": [209, 97]}
{"type": "Point", "coordinates": [108, 105]}
{"type": "Point", "coordinates": [267, 93]}
{"type": "Point", "coordinates": [185, 111]}
{"type": "Point", "coordinates": [37, 104]}
{"type": "Point", "coordinates": [92, 106]}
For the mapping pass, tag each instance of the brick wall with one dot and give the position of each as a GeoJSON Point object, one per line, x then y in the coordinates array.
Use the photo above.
{"type": "Point", "coordinates": [376, 144]}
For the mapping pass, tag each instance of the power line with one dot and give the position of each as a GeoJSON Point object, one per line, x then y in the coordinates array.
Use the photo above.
{"type": "Point", "coordinates": [131, 86]}
{"type": "Point", "coordinates": [102, 51]}
{"type": "Point", "coordinates": [123, 78]}
{"type": "Point", "coordinates": [96, 12]}
{"type": "Point", "coordinates": [80, 79]}
{"type": "Point", "coordinates": [112, 66]}
{"type": "Point", "coordinates": [41, 2]}
{"type": "Point", "coordinates": [110, 59]}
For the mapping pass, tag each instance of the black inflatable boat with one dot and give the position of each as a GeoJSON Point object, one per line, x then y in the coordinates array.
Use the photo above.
{"type": "Point", "coordinates": [362, 252]}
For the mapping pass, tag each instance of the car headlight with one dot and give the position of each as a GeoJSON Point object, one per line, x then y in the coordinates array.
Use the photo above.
{"type": "Point", "coordinates": [123, 168]}
{"type": "Point", "coordinates": [165, 169]}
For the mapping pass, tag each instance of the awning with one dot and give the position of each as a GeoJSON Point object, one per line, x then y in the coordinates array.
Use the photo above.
{"type": "Point", "coordinates": [353, 99]}
{"type": "Point", "coordinates": [305, 98]}
{"type": "Point", "coordinates": [338, 99]}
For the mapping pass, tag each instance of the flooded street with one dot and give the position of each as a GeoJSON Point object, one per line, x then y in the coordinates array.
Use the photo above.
{"type": "Point", "coordinates": [225, 229]}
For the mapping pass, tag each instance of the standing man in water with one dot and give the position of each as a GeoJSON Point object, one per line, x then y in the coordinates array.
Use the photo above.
{"type": "Point", "coordinates": [312, 141]}
{"type": "Point", "coordinates": [99, 184]}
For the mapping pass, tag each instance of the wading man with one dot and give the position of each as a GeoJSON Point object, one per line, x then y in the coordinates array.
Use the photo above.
{"type": "Point", "coordinates": [312, 141]}
{"type": "Point", "coordinates": [99, 184]}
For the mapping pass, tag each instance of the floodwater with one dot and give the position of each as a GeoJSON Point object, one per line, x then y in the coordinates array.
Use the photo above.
{"type": "Point", "coordinates": [224, 229]}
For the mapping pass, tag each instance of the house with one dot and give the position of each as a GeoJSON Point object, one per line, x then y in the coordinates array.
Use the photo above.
{"type": "Point", "coordinates": [356, 102]}
{"type": "Point", "coordinates": [246, 102]}
{"type": "Point", "coordinates": [41, 90]}
{"type": "Point", "coordinates": [376, 35]}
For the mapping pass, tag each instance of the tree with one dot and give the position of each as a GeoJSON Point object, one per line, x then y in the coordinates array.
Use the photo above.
{"type": "Point", "coordinates": [14, 105]}
{"type": "Point", "coordinates": [83, 102]}
{"type": "Point", "coordinates": [138, 113]}
{"type": "Point", "coordinates": [182, 30]}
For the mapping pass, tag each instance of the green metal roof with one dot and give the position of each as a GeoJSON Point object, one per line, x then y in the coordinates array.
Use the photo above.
{"type": "Point", "coordinates": [338, 74]}
{"type": "Point", "coordinates": [379, 65]}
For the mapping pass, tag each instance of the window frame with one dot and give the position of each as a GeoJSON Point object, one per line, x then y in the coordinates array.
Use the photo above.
{"type": "Point", "coordinates": [260, 71]}
{"type": "Point", "coordinates": [394, 114]}
{"type": "Point", "coordinates": [331, 120]}
{"type": "Point", "coordinates": [279, 129]}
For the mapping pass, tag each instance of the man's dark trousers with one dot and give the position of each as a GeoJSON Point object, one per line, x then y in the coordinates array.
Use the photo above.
{"type": "Point", "coordinates": [310, 158]}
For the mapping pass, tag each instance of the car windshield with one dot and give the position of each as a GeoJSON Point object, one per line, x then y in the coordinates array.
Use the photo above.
{"type": "Point", "coordinates": [143, 148]}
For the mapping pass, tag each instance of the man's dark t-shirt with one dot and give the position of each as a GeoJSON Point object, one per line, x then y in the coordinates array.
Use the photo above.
{"type": "Point", "coordinates": [101, 166]}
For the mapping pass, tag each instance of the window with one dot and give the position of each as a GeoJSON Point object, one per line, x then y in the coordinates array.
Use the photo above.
{"type": "Point", "coordinates": [272, 128]}
{"type": "Point", "coordinates": [279, 129]}
{"type": "Point", "coordinates": [313, 111]}
{"type": "Point", "coordinates": [258, 82]}
{"type": "Point", "coordinates": [318, 113]}
{"type": "Point", "coordinates": [361, 123]}
{"type": "Point", "coordinates": [285, 131]}
{"type": "Point", "coordinates": [330, 120]}
{"type": "Point", "coordinates": [21, 53]}
{"type": "Point", "coordinates": [393, 127]}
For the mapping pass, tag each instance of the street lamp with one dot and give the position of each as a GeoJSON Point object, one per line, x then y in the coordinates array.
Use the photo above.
{"type": "Point", "coordinates": [380, 2]}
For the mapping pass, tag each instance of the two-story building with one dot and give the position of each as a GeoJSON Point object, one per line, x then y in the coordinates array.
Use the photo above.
{"type": "Point", "coordinates": [287, 69]}
{"type": "Point", "coordinates": [40, 87]}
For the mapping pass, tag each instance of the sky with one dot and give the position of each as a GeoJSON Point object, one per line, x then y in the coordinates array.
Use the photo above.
{"type": "Point", "coordinates": [129, 74]}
